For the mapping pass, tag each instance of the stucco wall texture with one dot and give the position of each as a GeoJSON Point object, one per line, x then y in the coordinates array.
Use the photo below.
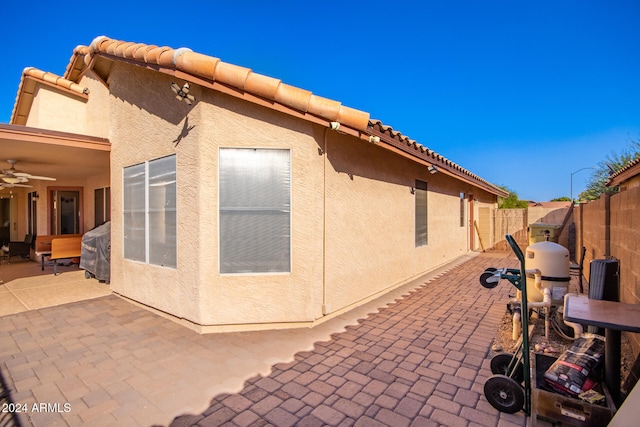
{"type": "Point", "coordinates": [352, 207]}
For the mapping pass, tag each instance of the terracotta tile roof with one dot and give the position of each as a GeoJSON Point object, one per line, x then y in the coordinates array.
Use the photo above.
{"type": "Point", "coordinates": [26, 90]}
{"type": "Point", "coordinates": [630, 170]}
{"type": "Point", "coordinates": [211, 72]}
{"type": "Point", "coordinates": [412, 147]}
{"type": "Point", "coordinates": [212, 69]}
{"type": "Point", "coordinates": [550, 205]}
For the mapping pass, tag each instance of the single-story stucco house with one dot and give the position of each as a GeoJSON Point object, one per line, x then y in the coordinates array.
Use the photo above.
{"type": "Point", "coordinates": [255, 205]}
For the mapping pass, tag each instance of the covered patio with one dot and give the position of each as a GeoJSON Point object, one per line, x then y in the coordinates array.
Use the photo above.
{"type": "Point", "coordinates": [74, 197]}
{"type": "Point", "coordinates": [25, 286]}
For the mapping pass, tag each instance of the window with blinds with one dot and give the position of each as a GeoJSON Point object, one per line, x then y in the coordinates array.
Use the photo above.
{"type": "Point", "coordinates": [255, 211]}
{"type": "Point", "coordinates": [149, 208]}
{"type": "Point", "coordinates": [421, 213]}
{"type": "Point", "coordinates": [462, 210]}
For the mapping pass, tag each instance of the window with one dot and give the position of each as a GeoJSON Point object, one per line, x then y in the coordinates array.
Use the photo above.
{"type": "Point", "coordinates": [462, 210]}
{"type": "Point", "coordinates": [150, 212]}
{"type": "Point", "coordinates": [102, 206]}
{"type": "Point", "coordinates": [32, 213]}
{"type": "Point", "coordinates": [255, 211]}
{"type": "Point", "coordinates": [421, 213]}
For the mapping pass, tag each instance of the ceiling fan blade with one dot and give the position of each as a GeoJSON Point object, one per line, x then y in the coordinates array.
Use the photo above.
{"type": "Point", "coordinates": [42, 178]}
{"type": "Point", "coordinates": [175, 87]}
{"type": "Point", "coordinates": [6, 185]}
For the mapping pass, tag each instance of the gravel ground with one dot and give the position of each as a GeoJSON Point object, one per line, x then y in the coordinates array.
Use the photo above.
{"type": "Point", "coordinates": [554, 345]}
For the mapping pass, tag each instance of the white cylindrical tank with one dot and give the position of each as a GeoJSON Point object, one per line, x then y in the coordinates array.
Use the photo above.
{"type": "Point", "coordinates": [553, 262]}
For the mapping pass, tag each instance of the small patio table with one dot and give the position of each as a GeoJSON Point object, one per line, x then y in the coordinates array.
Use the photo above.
{"type": "Point", "coordinates": [614, 317]}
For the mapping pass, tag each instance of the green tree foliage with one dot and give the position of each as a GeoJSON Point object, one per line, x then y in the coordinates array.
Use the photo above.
{"type": "Point", "coordinates": [612, 163]}
{"type": "Point", "coordinates": [512, 201]}
{"type": "Point", "coordinates": [562, 199]}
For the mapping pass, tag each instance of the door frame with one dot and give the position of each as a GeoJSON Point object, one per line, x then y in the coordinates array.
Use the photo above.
{"type": "Point", "coordinates": [51, 198]}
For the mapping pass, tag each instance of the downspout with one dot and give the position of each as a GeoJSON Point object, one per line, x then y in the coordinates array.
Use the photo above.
{"type": "Point", "coordinates": [324, 223]}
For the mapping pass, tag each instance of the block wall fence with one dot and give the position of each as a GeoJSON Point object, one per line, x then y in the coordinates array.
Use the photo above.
{"type": "Point", "coordinates": [610, 228]}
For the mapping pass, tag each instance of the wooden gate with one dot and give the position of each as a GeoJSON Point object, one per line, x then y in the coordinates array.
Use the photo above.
{"type": "Point", "coordinates": [510, 221]}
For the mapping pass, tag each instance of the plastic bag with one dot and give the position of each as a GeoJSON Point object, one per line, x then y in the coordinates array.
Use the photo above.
{"type": "Point", "coordinates": [573, 372]}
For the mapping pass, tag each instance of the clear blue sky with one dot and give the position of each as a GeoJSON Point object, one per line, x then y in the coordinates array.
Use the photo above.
{"type": "Point", "coordinates": [521, 93]}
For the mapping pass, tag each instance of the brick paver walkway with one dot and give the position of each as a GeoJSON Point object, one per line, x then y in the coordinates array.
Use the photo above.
{"type": "Point", "coordinates": [421, 360]}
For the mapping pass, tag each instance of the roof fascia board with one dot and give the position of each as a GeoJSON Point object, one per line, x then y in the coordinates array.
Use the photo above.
{"type": "Point", "coordinates": [60, 88]}
{"type": "Point", "coordinates": [50, 137]}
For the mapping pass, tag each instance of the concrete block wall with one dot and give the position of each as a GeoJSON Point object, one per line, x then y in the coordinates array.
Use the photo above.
{"type": "Point", "coordinates": [610, 227]}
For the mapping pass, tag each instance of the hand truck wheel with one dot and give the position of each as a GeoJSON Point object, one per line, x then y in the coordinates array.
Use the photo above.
{"type": "Point", "coordinates": [503, 364]}
{"type": "Point", "coordinates": [504, 393]}
{"type": "Point", "coordinates": [489, 279]}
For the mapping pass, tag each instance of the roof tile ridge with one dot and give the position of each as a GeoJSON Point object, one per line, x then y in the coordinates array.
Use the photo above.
{"type": "Point", "coordinates": [429, 153]}
{"type": "Point", "coordinates": [242, 78]}
{"type": "Point", "coordinates": [55, 80]}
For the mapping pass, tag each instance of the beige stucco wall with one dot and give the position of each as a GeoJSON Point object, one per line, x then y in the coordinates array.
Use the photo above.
{"type": "Point", "coordinates": [53, 108]}
{"type": "Point", "coordinates": [195, 290]}
{"type": "Point", "coordinates": [370, 221]}
{"type": "Point", "coordinates": [60, 110]}
{"type": "Point", "coordinates": [352, 209]}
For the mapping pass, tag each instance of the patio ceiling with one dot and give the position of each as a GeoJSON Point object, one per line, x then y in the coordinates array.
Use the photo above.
{"type": "Point", "coordinates": [50, 153]}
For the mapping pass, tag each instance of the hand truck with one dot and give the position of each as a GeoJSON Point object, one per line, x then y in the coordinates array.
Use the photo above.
{"type": "Point", "coordinates": [504, 390]}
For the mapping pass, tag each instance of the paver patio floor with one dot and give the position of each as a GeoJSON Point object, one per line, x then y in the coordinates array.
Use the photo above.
{"type": "Point", "coordinates": [417, 356]}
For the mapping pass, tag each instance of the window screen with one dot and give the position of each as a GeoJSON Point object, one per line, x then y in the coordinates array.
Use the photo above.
{"type": "Point", "coordinates": [134, 212]}
{"type": "Point", "coordinates": [255, 210]}
{"type": "Point", "coordinates": [162, 211]}
{"type": "Point", "coordinates": [150, 212]}
{"type": "Point", "coordinates": [421, 213]}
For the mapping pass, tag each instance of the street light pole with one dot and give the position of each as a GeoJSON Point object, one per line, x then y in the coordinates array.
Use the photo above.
{"type": "Point", "coordinates": [571, 180]}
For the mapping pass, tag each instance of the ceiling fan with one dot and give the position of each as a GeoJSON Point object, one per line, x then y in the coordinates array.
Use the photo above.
{"type": "Point", "coordinates": [15, 178]}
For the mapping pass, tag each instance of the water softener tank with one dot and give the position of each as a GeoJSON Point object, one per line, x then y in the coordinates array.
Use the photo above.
{"type": "Point", "coordinates": [553, 262]}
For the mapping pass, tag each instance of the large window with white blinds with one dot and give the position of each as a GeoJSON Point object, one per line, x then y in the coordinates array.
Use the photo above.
{"type": "Point", "coordinates": [255, 210]}
{"type": "Point", "coordinates": [150, 212]}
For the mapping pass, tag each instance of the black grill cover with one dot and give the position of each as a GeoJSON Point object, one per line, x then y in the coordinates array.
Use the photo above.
{"type": "Point", "coordinates": [96, 252]}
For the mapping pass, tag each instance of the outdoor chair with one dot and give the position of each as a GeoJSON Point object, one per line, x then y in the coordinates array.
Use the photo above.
{"type": "Point", "coordinates": [20, 249]}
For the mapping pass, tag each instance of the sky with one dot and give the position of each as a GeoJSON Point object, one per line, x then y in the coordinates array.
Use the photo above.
{"type": "Point", "coordinates": [525, 94]}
